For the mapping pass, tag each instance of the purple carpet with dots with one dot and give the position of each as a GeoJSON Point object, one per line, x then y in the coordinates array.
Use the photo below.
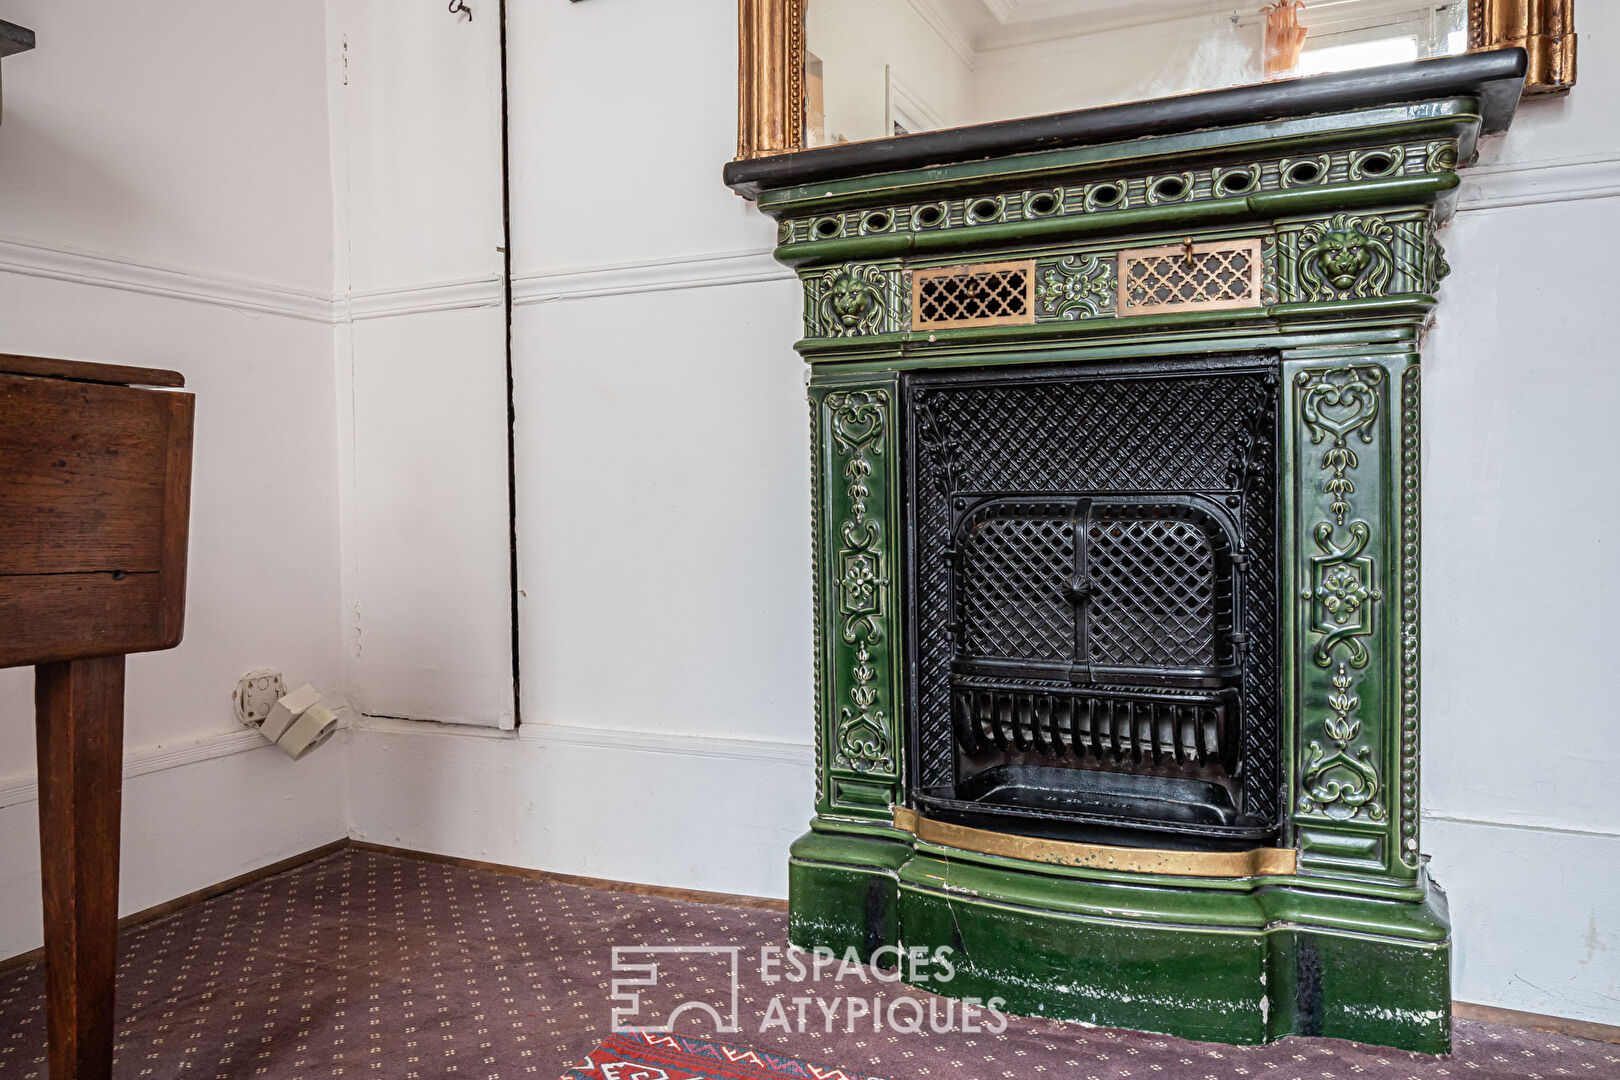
{"type": "Point", "coordinates": [365, 965]}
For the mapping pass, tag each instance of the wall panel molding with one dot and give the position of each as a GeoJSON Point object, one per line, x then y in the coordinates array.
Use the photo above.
{"type": "Point", "coordinates": [30, 259]}
{"type": "Point", "coordinates": [618, 279]}
{"type": "Point", "coordinates": [23, 787]}
{"type": "Point", "coordinates": [703, 270]}
{"type": "Point", "coordinates": [713, 748]}
{"type": "Point", "coordinates": [1485, 187]}
{"type": "Point", "coordinates": [1533, 183]}
{"type": "Point", "coordinates": [1523, 825]}
{"type": "Point", "coordinates": [415, 299]}
{"type": "Point", "coordinates": [381, 724]}
{"type": "Point", "coordinates": [773, 751]}
{"type": "Point", "coordinates": [618, 740]}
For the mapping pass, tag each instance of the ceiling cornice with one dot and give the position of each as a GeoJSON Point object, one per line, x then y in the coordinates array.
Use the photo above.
{"type": "Point", "coordinates": [1027, 29]}
{"type": "Point", "coordinates": [949, 32]}
{"type": "Point", "coordinates": [1003, 11]}
{"type": "Point", "coordinates": [1012, 27]}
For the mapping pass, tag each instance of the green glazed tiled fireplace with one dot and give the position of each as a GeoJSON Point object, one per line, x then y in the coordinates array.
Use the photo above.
{"type": "Point", "coordinates": [1279, 239]}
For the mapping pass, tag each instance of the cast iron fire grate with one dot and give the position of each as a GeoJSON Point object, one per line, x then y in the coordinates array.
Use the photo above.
{"type": "Point", "coordinates": [1093, 580]}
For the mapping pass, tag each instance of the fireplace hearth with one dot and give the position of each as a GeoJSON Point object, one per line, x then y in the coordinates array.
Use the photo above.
{"type": "Point", "coordinates": [1116, 509]}
{"type": "Point", "coordinates": [1092, 591]}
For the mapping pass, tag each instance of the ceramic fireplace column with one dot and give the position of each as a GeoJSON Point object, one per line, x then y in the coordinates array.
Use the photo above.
{"type": "Point", "coordinates": [1194, 323]}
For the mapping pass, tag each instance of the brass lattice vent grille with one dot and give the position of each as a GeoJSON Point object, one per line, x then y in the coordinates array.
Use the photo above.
{"type": "Point", "coordinates": [1187, 277]}
{"type": "Point", "coordinates": [982, 294]}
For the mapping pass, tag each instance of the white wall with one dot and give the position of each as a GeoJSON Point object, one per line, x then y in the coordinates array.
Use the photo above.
{"type": "Point", "coordinates": [421, 356]}
{"type": "Point", "coordinates": [663, 486]}
{"type": "Point", "coordinates": [662, 433]}
{"type": "Point", "coordinates": [1521, 388]}
{"type": "Point", "coordinates": [663, 806]}
{"type": "Point", "coordinates": [165, 201]}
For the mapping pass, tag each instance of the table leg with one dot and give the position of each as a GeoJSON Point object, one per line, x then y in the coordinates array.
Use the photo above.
{"type": "Point", "coordinates": [79, 727]}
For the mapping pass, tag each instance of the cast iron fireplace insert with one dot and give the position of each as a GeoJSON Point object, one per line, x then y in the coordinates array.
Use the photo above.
{"type": "Point", "coordinates": [1093, 589]}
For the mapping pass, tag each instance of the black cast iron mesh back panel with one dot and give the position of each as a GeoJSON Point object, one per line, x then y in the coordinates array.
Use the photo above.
{"type": "Point", "coordinates": [1153, 594]}
{"type": "Point", "coordinates": [1152, 601]}
{"type": "Point", "coordinates": [1011, 595]}
{"type": "Point", "coordinates": [1206, 428]}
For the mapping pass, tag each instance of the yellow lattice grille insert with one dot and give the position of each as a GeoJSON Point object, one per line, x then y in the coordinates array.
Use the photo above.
{"type": "Point", "coordinates": [1189, 277]}
{"type": "Point", "coordinates": [981, 294]}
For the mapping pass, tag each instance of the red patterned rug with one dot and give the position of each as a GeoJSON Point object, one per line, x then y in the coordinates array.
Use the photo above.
{"type": "Point", "coordinates": [646, 1055]}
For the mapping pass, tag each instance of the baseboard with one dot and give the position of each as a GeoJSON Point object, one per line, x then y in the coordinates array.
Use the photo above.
{"type": "Point", "coordinates": [197, 896]}
{"type": "Point", "coordinates": [1558, 1025]}
{"type": "Point", "coordinates": [695, 896]}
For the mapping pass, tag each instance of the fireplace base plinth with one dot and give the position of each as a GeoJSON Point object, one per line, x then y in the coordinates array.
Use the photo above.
{"type": "Point", "coordinates": [1245, 960]}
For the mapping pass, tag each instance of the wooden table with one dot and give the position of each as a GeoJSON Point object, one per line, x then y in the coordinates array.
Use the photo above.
{"type": "Point", "coordinates": [95, 489]}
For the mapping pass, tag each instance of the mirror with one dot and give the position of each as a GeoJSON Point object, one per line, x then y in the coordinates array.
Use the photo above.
{"type": "Point", "coordinates": [875, 68]}
{"type": "Point", "coordinates": [826, 72]}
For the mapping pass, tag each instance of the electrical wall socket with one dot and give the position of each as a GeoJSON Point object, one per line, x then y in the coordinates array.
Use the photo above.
{"type": "Point", "coordinates": [287, 710]}
{"type": "Point", "coordinates": [256, 694]}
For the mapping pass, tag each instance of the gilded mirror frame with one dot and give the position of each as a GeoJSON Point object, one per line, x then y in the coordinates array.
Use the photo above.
{"type": "Point", "coordinates": [770, 61]}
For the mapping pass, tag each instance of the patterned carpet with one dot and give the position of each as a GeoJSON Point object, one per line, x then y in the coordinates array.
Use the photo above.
{"type": "Point", "coordinates": [648, 1055]}
{"type": "Point", "coordinates": [363, 965]}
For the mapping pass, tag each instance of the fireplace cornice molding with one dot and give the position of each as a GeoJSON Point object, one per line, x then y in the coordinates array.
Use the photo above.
{"type": "Point", "coordinates": [1255, 162]}
{"type": "Point", "coordinates": [1297, 221]}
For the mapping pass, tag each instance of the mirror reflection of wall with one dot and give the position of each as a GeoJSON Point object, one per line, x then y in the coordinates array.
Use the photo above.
{"type": "Point", "coordinates": [891, 67]}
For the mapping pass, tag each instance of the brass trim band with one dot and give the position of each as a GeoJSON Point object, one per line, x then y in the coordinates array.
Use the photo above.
{"type": "Point", "coordinates": [1257, 862]}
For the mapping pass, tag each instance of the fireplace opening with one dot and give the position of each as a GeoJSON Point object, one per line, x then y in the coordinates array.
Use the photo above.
{"type": "Point", "coordinates": [1093, 576]}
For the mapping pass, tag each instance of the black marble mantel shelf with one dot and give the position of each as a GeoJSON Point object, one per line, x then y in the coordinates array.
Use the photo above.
{"type": "Point", "coordinates": [14, 38]}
